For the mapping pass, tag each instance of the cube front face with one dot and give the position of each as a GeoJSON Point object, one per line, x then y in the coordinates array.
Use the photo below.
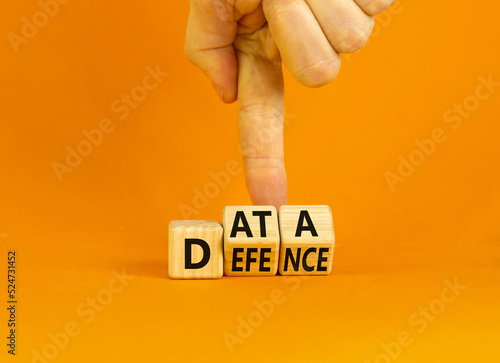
{"type": "Point", "coordinates": [195, 250]}
{"type": "Point", "coordinates": [307, 240]}
{"type": "Point", "coordinates": [251, 240]}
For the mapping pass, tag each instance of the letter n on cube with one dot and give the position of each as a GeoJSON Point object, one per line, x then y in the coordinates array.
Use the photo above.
{"type": "Point", "coordinates": [307, 240]}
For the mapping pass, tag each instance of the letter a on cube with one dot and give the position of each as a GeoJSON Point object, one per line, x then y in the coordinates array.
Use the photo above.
{"type": "Point", "coordinates": [307, 240]}
{"type": "Point", "coordinates": [195, 250]}
{"type": "Point", "coordinates": [251, 240]}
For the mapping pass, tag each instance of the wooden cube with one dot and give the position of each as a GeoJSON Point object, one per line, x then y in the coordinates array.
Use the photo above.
{"type": "Point", "coordinates": [251, 240]}
{"type": "Point", "coordinates": [195, 250]}
{"type": "Point", "coordinates": [307, 240]}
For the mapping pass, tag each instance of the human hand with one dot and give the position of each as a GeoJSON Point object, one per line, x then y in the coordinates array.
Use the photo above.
{"type": "Point", "coordinates": [239, 45]}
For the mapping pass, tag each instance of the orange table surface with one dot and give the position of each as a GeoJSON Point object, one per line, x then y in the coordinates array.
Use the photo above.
{"type": "Point", "coordinates": [416, 273]}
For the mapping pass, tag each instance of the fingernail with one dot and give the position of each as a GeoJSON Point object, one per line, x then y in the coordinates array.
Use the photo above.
{"type": "Point", "coordinates": [219, 90]}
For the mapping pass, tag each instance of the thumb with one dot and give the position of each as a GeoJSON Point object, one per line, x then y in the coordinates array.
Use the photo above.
{"type": "Point", "coordinates": [260, 118]}
{"type": "Point", "coordinates": [210, 33]}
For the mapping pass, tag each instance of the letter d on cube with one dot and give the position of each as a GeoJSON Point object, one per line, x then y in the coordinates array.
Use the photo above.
{"type": "Point", "coordinates": [195, 250]}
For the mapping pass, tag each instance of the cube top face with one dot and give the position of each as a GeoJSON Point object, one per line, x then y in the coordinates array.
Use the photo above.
{"type": "Point", "coordinates": [307, 240]}
{"type": "Point", "coordinates": [195, 250]}
{"type": "Point", "coordinates": [209, 224]}
{"type": "Point", "coordinates": [251, 240]}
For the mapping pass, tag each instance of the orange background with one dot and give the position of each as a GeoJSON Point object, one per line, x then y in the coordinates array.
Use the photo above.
{"type": "Point", "coordinates": [394, 248]}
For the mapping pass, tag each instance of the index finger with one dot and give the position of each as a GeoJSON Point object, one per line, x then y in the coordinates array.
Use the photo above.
{"type": "Point", "coordinates": [260, 119]}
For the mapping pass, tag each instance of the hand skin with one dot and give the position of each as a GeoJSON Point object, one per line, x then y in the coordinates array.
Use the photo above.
{"type": "Point", "coordinates": [240, 45]}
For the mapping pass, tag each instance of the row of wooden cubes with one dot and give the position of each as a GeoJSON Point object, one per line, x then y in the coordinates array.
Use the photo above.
{"type": "Point", "coordinates": [253, 241]}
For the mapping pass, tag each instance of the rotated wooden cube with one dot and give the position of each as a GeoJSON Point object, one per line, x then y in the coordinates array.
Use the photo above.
{"type": "Point", "coordinates": [251, 240]}
{"type": "Point", "coordinates": [195, 250]}
{"type": "Point", "coordinates": [307, 240]}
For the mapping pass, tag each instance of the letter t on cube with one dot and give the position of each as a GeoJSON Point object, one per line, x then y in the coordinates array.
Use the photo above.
{"type": "Point", "coordinates": [195, 250]}
{"type": "Point", "coordinates": [307, 240]}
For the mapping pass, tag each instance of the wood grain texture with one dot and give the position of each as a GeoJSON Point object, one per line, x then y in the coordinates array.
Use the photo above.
{"type": "Point", "coordinates": [314, 238]}
{"type": "Point", "coordinates": [208, 230]}
{"type": "Point", "coordinates": [262, 242]}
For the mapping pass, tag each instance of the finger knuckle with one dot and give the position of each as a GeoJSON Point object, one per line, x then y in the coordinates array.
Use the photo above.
{"type": "Point", "coordinates": [374, 7]}
{"type": "Point", "coordinates": [319, 73]}
{"type": "Point", "coordinates": [282, 11]}
{"type": "Point", "coordinates": [263, 111]}
{"type": "Point", "coordinates": [352, 38]}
